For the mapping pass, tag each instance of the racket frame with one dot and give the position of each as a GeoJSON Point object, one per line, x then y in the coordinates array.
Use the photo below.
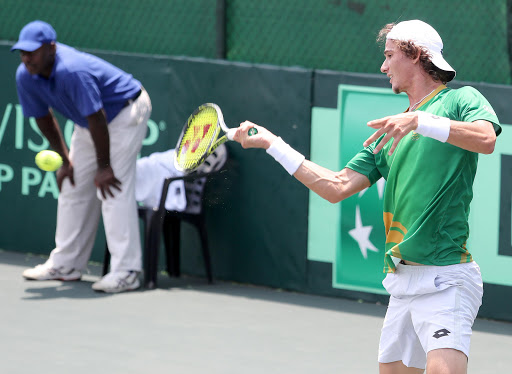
{"type": "Point", "coordinates": [214, 142]}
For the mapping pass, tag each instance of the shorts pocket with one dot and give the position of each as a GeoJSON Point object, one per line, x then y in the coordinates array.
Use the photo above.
{"type": "Point", "coordinates": [411, 283]}
{"type": "Point", "coordinates": [445, 280]}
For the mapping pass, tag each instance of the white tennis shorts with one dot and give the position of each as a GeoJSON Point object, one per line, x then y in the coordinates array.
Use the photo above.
{"type": "Point", "coordinates": [430, 307]}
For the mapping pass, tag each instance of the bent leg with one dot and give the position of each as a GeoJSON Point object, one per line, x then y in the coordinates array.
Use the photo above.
{"type": "Point", "coordinates": [78, 211]}
{"type": "Point", "coordinates": [398, 367]}
{"type": "Point", "coordinates": [446, 361]}
{"type": "Point", "coordinates": [127, 131]}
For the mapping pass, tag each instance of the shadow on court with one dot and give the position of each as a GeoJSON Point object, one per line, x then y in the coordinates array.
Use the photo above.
{"type": "Point", "coordinates": [188, 326]}
{"type": "Point", "coordinates": [82, 290]}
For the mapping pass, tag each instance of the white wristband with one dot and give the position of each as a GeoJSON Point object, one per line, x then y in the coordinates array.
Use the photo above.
{"type": "Point", "coordinates": [288, 157]}
{"type": "Point", "coordinates": [433, 126]}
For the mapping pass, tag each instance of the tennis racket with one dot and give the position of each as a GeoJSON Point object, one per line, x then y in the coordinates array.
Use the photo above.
{"type": "Point", "coordinates": [198, 138]}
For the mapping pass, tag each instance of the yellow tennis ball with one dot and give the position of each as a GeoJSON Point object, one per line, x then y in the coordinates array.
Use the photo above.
{"type": "Point", "coordinates": [48, 160]}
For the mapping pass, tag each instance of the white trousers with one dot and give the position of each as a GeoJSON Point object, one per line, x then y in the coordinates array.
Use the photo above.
{"type": "Point", "coordinates": [80, 206]}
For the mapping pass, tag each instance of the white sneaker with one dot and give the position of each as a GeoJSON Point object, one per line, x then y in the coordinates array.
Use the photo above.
{"type": "Point", "coordinates": [118, 282]}
{"type": "Point", "coordinates": [44, 272]}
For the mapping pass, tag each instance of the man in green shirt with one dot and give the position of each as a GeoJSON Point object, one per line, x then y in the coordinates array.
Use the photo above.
{"type": "Point", "coordinates": [428, 156]}
{"type": "Point", "coordinates": [427, 222]}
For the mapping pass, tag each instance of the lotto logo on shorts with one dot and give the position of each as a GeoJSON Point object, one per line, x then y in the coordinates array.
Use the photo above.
{"type": "Point", "coordinates": [440, 333]}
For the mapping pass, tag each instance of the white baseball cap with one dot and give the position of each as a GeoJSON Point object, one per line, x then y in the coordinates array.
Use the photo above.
{"type": "Point", "coordinates": [422, 35]}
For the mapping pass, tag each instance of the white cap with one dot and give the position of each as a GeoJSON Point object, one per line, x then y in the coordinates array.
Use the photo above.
{"type": "Point", "coordinates": [422, 35]}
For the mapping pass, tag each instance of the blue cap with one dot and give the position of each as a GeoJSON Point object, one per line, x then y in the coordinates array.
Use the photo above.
{"type": "Point", "coordinates": [33, 35]}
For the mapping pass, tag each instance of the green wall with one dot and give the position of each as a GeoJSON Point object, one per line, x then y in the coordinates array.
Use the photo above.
{"type": "Point", "coordinates": [261, 222]}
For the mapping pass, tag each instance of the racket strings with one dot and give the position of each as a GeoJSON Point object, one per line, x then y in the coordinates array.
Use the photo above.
{"type": "Point", "coordinates": [197, 138]}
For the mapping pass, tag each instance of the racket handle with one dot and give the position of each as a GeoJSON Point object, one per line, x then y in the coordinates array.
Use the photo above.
{"type": "Point", "coordinates": [252, 131]}
{"type": "Point", "coordinates": [231, 134]}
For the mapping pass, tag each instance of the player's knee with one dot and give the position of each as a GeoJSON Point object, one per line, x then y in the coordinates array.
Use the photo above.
{"type": "Point", "coordinates": [398, 367]}
{"type": "Point", "coordinates": [446, 361]}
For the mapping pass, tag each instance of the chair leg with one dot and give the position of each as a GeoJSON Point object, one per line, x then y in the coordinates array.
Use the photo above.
{"type": "Point", "coordinates": [172, 233]}
{"type": "Point", "coordinates": [149, 265]}
{"type": "Point", "coordinates": [153, 229]}
{"type": "Point", "coordinates": [206, 251]}
{"type": "Point", "coordinates": [106, 260]}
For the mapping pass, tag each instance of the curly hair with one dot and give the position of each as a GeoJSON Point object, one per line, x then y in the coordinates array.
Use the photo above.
{"type": "Point", "coordinates": [411, 51]}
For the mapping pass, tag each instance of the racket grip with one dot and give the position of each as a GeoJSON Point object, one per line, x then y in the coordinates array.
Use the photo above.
{"type": "Point", "coordinates": [252, 131]}
{"type": "Point", "coordinates": [231, 134]}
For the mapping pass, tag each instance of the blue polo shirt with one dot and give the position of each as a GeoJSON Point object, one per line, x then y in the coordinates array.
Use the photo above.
{"type": "Point", "coordinates": [80, 85]}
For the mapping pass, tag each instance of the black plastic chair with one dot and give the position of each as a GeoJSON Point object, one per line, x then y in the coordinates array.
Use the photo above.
{"type": "Point", "coordinates": [160, 220]}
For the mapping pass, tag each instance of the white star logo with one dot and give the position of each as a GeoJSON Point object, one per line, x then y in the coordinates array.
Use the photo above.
{"type": "Point", "coordinates": [361, 234]}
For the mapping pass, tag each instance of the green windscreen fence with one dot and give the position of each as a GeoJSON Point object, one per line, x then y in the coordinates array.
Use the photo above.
{"type": "Point", "coordinates": [341, 35]}
{"type": "Point", "coordinates": [177, 27]}
{"type": "Point", "coordinates": [264, 227]}
{"type": "Point", "coordinates": [321, 34]}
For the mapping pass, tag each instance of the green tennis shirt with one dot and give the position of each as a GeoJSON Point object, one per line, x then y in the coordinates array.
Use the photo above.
{"type": "Point", "coordinates": [429, 184]}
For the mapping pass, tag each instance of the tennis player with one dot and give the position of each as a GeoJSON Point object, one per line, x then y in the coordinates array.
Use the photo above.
{"type": "Point", "coordinates": [428, 155]}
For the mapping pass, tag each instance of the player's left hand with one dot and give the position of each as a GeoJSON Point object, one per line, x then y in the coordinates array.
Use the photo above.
{"type": "Point", "coordinates": [106, 181]}
{"type": "Point", "coordinates": [395, 127]}
{"type": "Point", "coordinates": [65, 171]}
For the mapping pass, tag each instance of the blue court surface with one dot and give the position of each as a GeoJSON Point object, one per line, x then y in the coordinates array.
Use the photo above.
{"type": "Point", "coordinates": [188, 326]}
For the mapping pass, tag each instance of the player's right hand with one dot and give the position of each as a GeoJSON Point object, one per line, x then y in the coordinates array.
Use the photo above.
{"type": "Point", "coordinates": [263, 139]}
{"type": "Point", "coordinates": [65, 171]}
